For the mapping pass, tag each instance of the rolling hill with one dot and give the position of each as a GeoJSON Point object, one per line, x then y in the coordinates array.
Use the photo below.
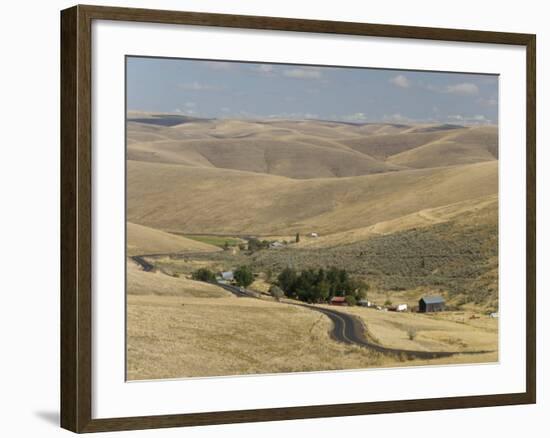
{"type": "Point", "coordinates": [305, 149]}
{"type": "Point", "coordinates": [187, 199]}
{"type": "Point", "coordinates": [409, 207]}
{"type": "Point", "coordinates": [145, 240]}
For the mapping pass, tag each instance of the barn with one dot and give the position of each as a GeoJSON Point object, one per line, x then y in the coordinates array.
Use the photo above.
{"type": "Point", "coordinates": [338, 301]}
{"type": "Point", "coordinates": [431, 304]}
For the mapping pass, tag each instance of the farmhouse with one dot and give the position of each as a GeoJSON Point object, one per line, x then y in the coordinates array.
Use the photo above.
{"type": "Point", "coordinates": [431, 304]}
{"type": "Point", "coordinates": [338, 301]}
{"type": "Point", "coordinates": [364, 303]}
{"type": "Point", "coordinates": [225, 277]}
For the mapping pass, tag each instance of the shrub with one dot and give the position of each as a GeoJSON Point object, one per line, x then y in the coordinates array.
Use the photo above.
{"type": "Point", "coordinates": [350, 300]}
{"type": "Point", "coordinates": [276, 292]}
{"type": "Point", "coordinates": [204, 274]}
{"type": "Point", "coordinates": [411, 333]}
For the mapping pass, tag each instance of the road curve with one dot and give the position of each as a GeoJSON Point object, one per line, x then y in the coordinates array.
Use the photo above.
{"type": "Point", "coordinates": [349, 330]}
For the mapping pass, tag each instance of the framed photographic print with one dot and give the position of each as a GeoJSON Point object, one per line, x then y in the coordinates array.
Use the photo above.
{"type": "Point", "coordinates": [269, 218]}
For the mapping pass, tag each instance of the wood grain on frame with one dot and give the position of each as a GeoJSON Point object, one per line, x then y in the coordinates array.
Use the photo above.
{"type": "Point", "coordinates": [76, 271]}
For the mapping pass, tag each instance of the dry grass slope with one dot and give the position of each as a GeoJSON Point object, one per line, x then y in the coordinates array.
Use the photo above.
{"type": "Point", "coordinates": [473, 145]}
{"type": "Point", "coordinates": [146, 240]}
{"type": "Point", "coordinates": [170, 337]}
{"type": "Point", "coordinates": [201, 200]}
{"type": "Point", "coordinates": [139, 282]}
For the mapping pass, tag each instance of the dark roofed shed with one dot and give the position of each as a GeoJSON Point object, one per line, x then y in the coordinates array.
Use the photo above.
{"type": "Point", "coordinates": [431, 304]}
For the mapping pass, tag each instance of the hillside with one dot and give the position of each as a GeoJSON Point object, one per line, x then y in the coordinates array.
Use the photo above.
{"type": "Point", "coordinates": [458, 256]}
{"type": "Point", "coordinates": [305, 148]}
{"type": "Point", "coordinates": [411, 208]}
{"type": "Point", "coordinates": [421, 218]}
{"type": "Point", "coordinates": [145, 240]}
{"type": "Point", "coordinates": [464, 147]}
{"type": "Point", "coordinates": [139, 282]}
{"type": "Point", "coordinates": [293, 157]}
{"type": "Point", "coordinates": [201, 200]}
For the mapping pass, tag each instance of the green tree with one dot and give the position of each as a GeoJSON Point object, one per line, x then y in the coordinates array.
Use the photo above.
{"type": "Point", "coordinates": [322, 291]}
{"type": "Point", "coordinates": [286, 280]}
{"type": "Point", "coordinates": [204, 274]}
{"type": "Point", "coordinates": [350, 300]}
{"type": "Point", "coordinates": [243, 276]}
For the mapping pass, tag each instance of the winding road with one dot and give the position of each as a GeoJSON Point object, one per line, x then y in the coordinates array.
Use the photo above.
{"type": "Point", "coordinates": [349, 329]}
{"type": "Point", "coordinates": [346, 328]}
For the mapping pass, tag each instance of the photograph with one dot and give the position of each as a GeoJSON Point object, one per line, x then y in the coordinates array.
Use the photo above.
{"type": "Point", "coordinates": [288, 218]}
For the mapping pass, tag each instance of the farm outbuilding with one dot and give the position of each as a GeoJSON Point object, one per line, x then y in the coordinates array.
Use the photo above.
{"type": "Point", "coordinates": [338, 301]}
{"type": "Point", "coordinates": [227, 275]}
{"type": "Point", "coordinates": [431, 304]}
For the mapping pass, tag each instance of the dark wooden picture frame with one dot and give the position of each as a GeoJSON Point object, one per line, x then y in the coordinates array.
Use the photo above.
{"type": "Point", "coordinates": [76, 218]}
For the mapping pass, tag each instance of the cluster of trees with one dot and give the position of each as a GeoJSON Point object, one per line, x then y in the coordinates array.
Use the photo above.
{"type": "Point", "coordinates": [317, 286]}
{"type": "Point", "coordinates": [243, 276]}
{"type": "Point", "coordinates": [257, 244]}
{"type": "Point", "coordinates": [204, 274]}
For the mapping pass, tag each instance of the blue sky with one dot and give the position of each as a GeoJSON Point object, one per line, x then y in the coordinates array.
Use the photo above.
{"type": "Point", "coordinates": [216, 89]}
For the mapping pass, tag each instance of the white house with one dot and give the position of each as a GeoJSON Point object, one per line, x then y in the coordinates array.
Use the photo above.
{"type": "Point", "coordinates": [227, 276]}
{"type": "Point", "coordinates": [401, 308]}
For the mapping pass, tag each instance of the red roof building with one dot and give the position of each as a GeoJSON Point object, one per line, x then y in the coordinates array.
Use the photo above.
{"type": "Point", "coordinates": [338, 301]}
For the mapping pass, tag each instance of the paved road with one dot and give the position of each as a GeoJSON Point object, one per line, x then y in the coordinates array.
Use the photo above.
{"type": "Point", "coordinates": [348, 329]}
{"type": "Point", "coordinates": [238, 292]}
{"type": "Point", "coordinates": [145, 265]}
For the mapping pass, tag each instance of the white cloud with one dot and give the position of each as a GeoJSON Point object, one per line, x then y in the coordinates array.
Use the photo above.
{"type": "Point", "coordinates": [303, 73]}
{"type": "Point", "coordinates": [397, 118]}
{"type": "Point", "coordinates": [355, 117]}
{"type": "Point", "coordinates": [477, 119]}
{"type": "Point", "coordinates": [198, 86]}
{"type": "Point", "coordinates": [464, 88]}
{"type": "Point", "coordinates": [400, 81]}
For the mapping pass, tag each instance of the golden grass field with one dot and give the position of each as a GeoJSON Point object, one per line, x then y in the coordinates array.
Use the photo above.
{"type": "Point", "coordinates": [145, 240]}
{"type": "Point", "coordinates": [172, 336]}
{"type": "Point", "coordinates": [447, 331]}
{"type": "Point", "coordinates": [139, 282]}
{"type": "Point", "coordinates": [225, 179]}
